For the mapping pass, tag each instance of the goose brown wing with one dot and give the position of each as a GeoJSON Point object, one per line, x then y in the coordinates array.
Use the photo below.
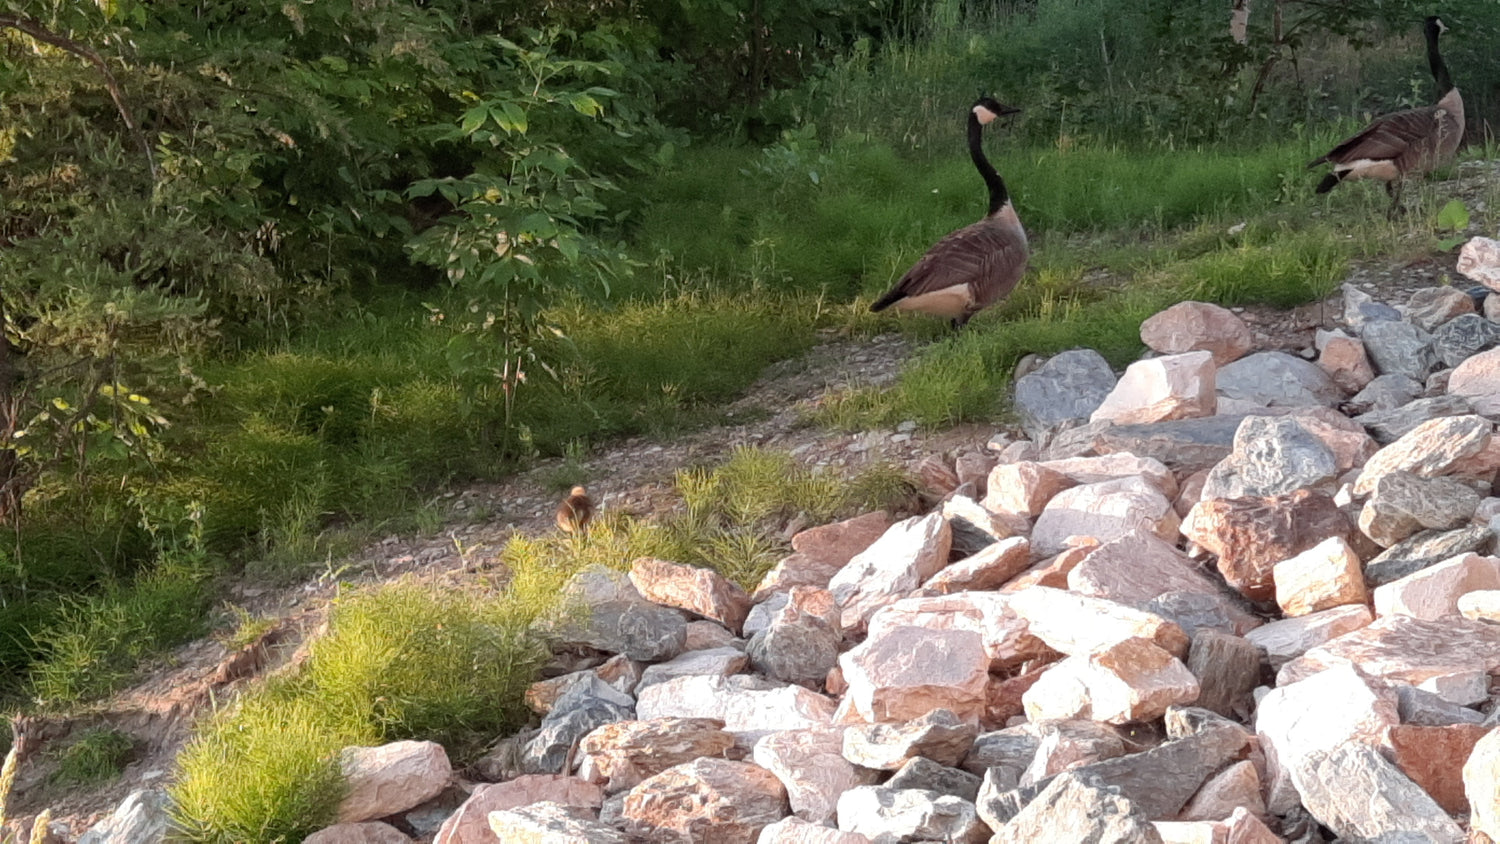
{"type": "Point", "coordinates": [983, 250]}
{"type": "Point", "coordinates": [1388, 137]}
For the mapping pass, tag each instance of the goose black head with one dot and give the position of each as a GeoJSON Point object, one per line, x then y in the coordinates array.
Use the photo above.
{"type": "Point", "coordinates": [1435, 26]}
{"type": "Point", "coordinates": [987, 109]}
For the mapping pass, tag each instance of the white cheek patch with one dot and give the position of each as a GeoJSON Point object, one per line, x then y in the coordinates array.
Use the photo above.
{"type": "Point", "coordinates": [984, 115]}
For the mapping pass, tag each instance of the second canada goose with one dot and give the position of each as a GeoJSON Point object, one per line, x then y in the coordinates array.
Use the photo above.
{"type": "Point", "coordinates": [574, 512]}
{"type": "Point", "coordinates": [1403, 143]}
{"type": "Point", "coordinates": [978, 265]}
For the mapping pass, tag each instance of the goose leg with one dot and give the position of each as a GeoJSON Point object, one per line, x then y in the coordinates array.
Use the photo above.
{"type": "Point", "coordinates": [1394, 190]}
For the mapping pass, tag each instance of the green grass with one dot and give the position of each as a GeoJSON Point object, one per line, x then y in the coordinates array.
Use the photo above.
{"type": "Point", "coordinates": [93, 757]}
{"type": "Point", "coordinates": [264, 772]}
{"type": "Point", "coordinates": [401, 661]}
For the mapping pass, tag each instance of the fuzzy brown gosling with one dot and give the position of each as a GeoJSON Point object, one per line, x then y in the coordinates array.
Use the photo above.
{"type": "Point", "coordinates": [574, 513]}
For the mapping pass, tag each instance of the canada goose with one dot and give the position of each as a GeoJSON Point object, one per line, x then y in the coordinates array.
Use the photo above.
{"type": "Point", "coordinates": [1411, 142]}
{"type": "Point", "coordinates": [978, 265]}
{"type": "Point", "coordinates": [574, 512]}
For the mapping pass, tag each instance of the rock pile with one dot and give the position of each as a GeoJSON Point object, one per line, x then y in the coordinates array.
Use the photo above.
{"type": "Point", "coordinates": [1229, 597]}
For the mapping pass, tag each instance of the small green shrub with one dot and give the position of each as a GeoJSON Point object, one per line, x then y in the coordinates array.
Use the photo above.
{"type": "Point", "coordinates": [94, 644]}
{"type": "Point", "coordinates": [265, 771]}
{"type": "Point", "coordinates": [414, 661]}
{"type": "Point", "coordinates": [95, 756]}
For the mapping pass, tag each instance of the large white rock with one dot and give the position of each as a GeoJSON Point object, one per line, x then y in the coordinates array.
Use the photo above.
{"type": "Point", "coordinates": [1482, 784]}
{"type": "Point", "coordinates": [1130, 681]}
{"type": "Point", "coordinates": [1317, 715]}
{"type": "Point", "coordinates": [391, 778]}
{"type": "Point", "coordinates": [906, 672]}
{"type": "Point", "coordinates": [795, 830]}
{"type": "Point", "coordinates": [1157, 389]}
{"type": "Point", "coordinates": [1078, 625]}
{"type": "Point", "coordinates": [1433, 592]}
{"type": "Point", "coordinates": [810, 763]}
{"type": "Point", "coordinates": [896, 565]}
{"type": "Point", "coordinates": [1005, 633]}
{"type": "Point", "coordinates": [910, 814]}
{"type": "Point", "coordinates": [748, 706]}
{"type": "Point", "coordinates": [1105, 511]}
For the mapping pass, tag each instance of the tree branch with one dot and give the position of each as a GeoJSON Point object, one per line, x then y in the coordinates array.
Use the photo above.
{"type": "Point", "coordinates": [35, 29]}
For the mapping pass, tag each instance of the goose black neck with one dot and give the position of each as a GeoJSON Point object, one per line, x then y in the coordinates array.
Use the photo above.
{"type": "Point", "coordinates": [998, 194]}
{"type": "Point", "coordinates": [1435, 61]}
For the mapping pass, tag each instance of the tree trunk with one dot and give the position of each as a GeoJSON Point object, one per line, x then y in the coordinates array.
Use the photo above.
{"type": "Point", "coordinates": [1239, 21]}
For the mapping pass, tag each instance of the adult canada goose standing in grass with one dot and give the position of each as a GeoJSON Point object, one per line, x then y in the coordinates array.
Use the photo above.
{"type": "Point", "coordinates": [574, 512]}
{"type": "Point", "coordinates": [978, 265]}
{"type": "Point", "coordinates": [1411, 142]}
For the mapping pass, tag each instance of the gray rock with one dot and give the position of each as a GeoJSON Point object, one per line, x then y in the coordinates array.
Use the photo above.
{"type": "Point", "coordinates": [760, 615]}
{"type": "Point", "coordinates": [1277, 379]}
{"type": "Point", "coordinates": [1183, 445]}
{"type": "Point", "coordinates": [719, 662]}
{"type": "Point", "coordinates": [552, 823]}
{"type": "Point", "coordinates": [1387, 426]}
{"type": "Point", "coordinates": [1195, 611]}
{"type": "Point", "coordinates": [800, 650]}
{"type": "Point", "coordinates": [1427, 709]}
{"type": "Point", "coordinates": [1399, 348]}
{"type": "Point", "coordinates": [141, 818]}
{"type": "Point", "coordinates": [1086, 808]}
{"type": "Point", "coordinates": [602, 610]}
{"type": "Point", "coordinates": [1158, 782]}
{"type": "Point", "coordinates": [1424, 549]}
{"type": "Point", "coordinates": [1001, 798]}
{"type": "Point", "coordinates": [547, 752]}
{"type": "Point", "coordinates": [940, 736]}
{"type": "Point", "coordinates": [1272, 455]}
{"type": "Point", "coordinates": [890, 815]}
{"type": "Point", "coordinates": [1385, 392]}
{"type": "Point", "coordinates": [1006, 751]}
{"type": "Point", "coordinates": [1404, 503]}
{"type": "Point", "coordinates": [1227, 668]}
{"type": "Point", "coordinates": [923, 773]}
{"type": "Point", "coordinates": [1462, 337]}
{"type": "Point", "coordinates": [1068, 387]}
{"type": "Point", "coordinates": [1361, 796]}
{"type": "Point", "coordinates": [1361, 309]}
{"type": "Point", "coordinates": [974, 528]}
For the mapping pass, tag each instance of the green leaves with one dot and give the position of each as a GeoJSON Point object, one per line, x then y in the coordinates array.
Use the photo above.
{"type": "Point", "coordinates": [1452, 217]}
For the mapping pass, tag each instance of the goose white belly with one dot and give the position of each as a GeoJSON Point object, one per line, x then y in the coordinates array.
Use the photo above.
{"type": "Point", "coordinates": [1369, 168]}
{"type": "Point", "coordinates": [950, 302]}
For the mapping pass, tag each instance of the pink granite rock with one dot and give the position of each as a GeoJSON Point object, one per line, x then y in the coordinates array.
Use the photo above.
{"type": "Point", "coordinates": [1190, 326]}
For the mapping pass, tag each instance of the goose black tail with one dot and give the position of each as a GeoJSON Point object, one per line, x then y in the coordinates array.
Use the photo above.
{"type": "Point", "coordinates": [1328, 183]}
{"type": "Point", "coordinates": [887, 300]}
